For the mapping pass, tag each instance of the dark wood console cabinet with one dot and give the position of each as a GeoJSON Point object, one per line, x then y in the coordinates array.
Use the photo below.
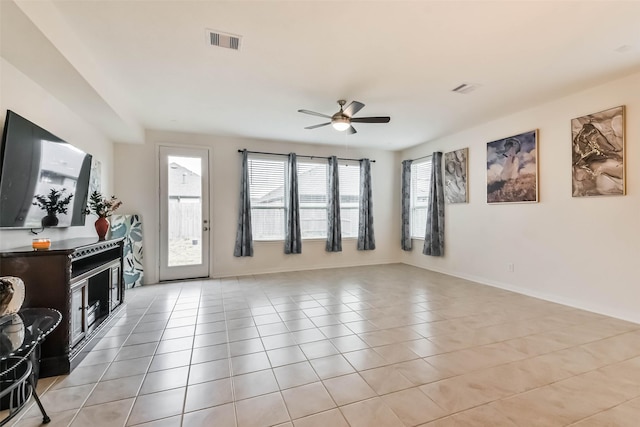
{"type": "Point", "coordinates": [82, 279]}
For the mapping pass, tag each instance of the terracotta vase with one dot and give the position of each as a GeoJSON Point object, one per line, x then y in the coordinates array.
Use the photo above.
{"type": "Point", "coordinates": [102, 226]}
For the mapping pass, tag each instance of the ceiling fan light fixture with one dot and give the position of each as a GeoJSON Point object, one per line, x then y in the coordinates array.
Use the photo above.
{"type": "Point", "coordinates": [341, 121]}
{"type": "Point", "coordinates": [340, 124]}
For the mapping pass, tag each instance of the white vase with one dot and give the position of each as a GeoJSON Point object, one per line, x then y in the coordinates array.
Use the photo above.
{"type": "Point", "coordinates": [12, 332]}
{"type": "Point", "coordinates": [11, 295]}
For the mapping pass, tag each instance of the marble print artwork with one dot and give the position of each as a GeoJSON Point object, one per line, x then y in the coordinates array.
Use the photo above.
{"type": "Point", "coordinates": [130, 227]}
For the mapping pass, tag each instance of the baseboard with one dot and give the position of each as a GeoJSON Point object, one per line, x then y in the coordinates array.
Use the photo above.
{"type": "Point", "coordinates": [223, 275]}
{"type": "Point", "coordinates": [582, 305]}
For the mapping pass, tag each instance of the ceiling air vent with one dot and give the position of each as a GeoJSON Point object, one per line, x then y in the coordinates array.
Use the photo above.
{"type": "Point", "coordinates": [465, 88]}
{"type": "Point", "coordinates": [623, 49]}
{"type": "Point", "coordinates": [219, 39]}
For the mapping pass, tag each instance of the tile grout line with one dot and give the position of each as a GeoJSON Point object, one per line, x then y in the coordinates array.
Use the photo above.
{"type": "Point", "coordinates": [56, 381]}
{"type": "Point", "coordinates": [135, 398]}
{"type": "Point", "coordinates": [186, 388]}
{"type": "Point", "coordinates": [310, 291]}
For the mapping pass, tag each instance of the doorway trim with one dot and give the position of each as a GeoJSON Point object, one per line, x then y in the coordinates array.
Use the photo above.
{"type": "Point", "coordinates": [203, 270]}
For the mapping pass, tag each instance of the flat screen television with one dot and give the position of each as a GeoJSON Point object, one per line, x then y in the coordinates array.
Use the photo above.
{"type": "Point", "coordinates": [33, 162]}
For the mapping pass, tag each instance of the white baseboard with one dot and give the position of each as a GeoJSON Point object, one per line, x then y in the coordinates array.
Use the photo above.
{"type": "Point", "coordinates": [583, 305]}
{"type": "Point", "coordinates": [222, 275]}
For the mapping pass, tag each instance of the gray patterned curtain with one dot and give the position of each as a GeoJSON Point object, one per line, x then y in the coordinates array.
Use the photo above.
{"type": "Point", "coordinates": [406, 242]}
{"type": "Point", "coordinates": [334, 231]}
{"type": "Point", "coordinates": [244, 240]}
{"type": "Point", "coordinates": [366, 237]}
{"type": "Point", "coordinates": [292, 238]}
{"type": "Point", "coordinates": [434, 237]}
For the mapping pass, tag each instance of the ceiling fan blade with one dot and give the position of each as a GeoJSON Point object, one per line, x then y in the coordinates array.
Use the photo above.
{"type": "Point", "coordinates": [371, 119]}
{"type": "Point", "coordinates": [313, 113]}
{"type": "Point", "coordinates": [318, 126]}
{"type": "Point", "coordinates": [351, 130]}
{"type": "Point", "coordinates": [353, 108]}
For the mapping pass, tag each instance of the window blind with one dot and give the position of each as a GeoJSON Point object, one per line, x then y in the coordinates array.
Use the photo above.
{"type": "Point", "coordinates": [349, 176]}
{"type": "Point", "coordinates": [312, 191]}
{"type": "Point", "coordinates": [266, 187]}
{"type": "Point", "coordinates": [420, 186]}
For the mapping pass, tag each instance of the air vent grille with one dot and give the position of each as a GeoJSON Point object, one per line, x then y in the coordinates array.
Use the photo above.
{"type": "Point", "coordinates": [220, 39]}
{"type": "Point", "coordinates": [623, 49]}
{"type": "Point", "coordinates": [465, 88]}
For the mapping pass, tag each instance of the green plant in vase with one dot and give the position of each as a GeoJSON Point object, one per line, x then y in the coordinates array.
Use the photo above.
{"type": "Point", "coordinates": [53, 203]}
{"type": "Point", "coordinates": [102, 207]}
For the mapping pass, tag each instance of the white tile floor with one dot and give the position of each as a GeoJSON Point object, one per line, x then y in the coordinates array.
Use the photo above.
{"type": "Point", "coordinates": [369, 346]}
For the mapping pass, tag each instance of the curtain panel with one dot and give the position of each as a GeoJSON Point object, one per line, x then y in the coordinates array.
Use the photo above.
{"type": "Point", "coordinates": [406, 242]}
{"type": "Point", "coordinates": [244, 239]}
{"type": "Point", "coordinates": [334, 228]}
{"type": "Point", "coordinates": [292, 237]}
{"type": "Point", "coordinates": [366, 236]}
{"type": "Point", "coordinates": [434, 237]}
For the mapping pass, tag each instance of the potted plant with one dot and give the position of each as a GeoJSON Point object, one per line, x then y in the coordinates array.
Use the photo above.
{"type": "Point", "coordinates": [103, 208]}
{"type": "Point", "coordinates": [53, 203]}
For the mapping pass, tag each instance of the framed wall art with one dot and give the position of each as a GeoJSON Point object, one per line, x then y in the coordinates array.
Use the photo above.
{"type": "Point", "coordinates": [512, 169]}
{"type": "Point", "coordinates": [598, 154]}
{"type": "Point", "coordinates": [455, 176]}
{"type": "Point", "coordinates": [95, 176]}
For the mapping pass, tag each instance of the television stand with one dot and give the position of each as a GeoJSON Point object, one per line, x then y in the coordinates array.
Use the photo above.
{"type": "Point", "coordinates": [82, 279]}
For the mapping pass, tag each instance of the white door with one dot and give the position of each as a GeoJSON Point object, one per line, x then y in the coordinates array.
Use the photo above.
{"type": "Point", "coordinates": [184, 213]}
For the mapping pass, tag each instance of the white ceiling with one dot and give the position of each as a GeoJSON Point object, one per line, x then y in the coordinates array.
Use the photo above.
{"type": "Point", "coordinates": [148, 64]}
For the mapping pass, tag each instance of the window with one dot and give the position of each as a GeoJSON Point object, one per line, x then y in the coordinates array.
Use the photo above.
{"type": "Point", "coordinates": [312, 192]}
{"type": "Point", "coordinates": [420, 185]}
{"type": "Point", "coordinates": [266, 188]}
{"type": "Point", "coordinates": [349, 177]}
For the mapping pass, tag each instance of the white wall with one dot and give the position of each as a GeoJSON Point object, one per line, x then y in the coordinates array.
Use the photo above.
{"type": "Point", "coordinates": [577, 251]}
{"type": "Point", "coordinates": [25, 97]}
{"type": "Point", "coordinates": [136, 184]}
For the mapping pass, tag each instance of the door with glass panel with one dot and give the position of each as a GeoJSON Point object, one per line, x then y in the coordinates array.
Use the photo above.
{"type": "Point", "coordinates": [184, 213]}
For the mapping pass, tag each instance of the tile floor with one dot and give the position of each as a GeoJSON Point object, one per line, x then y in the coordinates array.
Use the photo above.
{"type": "Point", "coordinates": [375, 346]}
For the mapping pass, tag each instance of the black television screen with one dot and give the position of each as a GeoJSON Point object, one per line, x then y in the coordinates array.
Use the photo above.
{"type": "Point", "coordinates": [32, 163]}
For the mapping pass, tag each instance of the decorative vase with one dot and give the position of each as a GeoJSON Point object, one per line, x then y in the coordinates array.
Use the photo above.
{"type": "Point", "coordinates": [102, 226]}
{"type": "Point", "coordinates": [12, 333]}
{"type": "Point", "coordinates": [11, 295]}
{"type": "Point", "coordinates": [51, 220]}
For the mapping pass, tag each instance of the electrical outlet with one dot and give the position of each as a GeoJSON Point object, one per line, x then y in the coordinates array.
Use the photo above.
{"type": "Point", "coordinates": [511, 267]}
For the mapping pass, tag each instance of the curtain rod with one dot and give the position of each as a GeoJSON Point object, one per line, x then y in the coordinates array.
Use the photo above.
{"type": "Point", "coordinates": [423, 157]}
{"type": "Point", "coordinates": [308, 157]}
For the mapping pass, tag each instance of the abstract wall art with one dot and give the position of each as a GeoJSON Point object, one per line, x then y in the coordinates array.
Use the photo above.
{"type": "Point", "coordinates": [95, 176]}
{"type": "Point", "coordinates": [512, 169]}
{"type": "Point", "coordinates": [130, 227]}
{"type": "Point", "coordinates": [455, 176]}
{"type": "Point", "coordinates": [598, 154]}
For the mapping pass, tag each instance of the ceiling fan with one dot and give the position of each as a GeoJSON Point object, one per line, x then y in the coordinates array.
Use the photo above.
{"type": "Point", "coordinates": [342, 120]}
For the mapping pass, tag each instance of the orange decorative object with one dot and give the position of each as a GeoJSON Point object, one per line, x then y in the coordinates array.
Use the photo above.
{"type": "Point", "coordinates": [102, 227]}
{"type": "Point", "coordinates": [39, 244]}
